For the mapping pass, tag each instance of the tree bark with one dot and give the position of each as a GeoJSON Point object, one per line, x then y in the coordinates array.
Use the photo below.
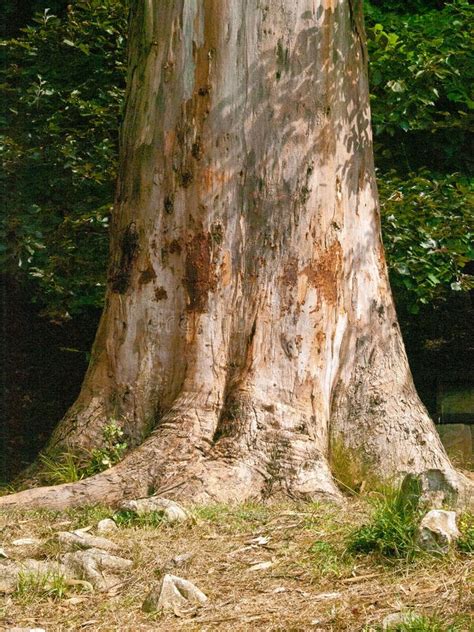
{"type": "Point", "coordinates": [248, 321]}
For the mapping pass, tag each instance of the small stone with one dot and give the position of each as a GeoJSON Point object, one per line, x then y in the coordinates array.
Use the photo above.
{"type": "Point", "coordinates": [173, 594]}
{"type": "Point", "coordinates": [26, 542]}
{"type": "Point", "coordinates": [106, 526]}
{"type": "Point", "coordinates": [180, 560]}
{"type": "Point", "coordinates": [170, 510]}
{"type": "Point", "coordinates": [81, 540]}
{"type": "Point", "coordinates": [3, 553]}
{"type": "Point", "coordinates": [438, 530]}
{"type": "Point", "coordinates": [26, 630]}
{"type": "Point", "coordinates": [96, 566]}
{"type": "Point", "coordinates": [261, 566]}
{"type": "Point", "coordinates": [261, 540]}
{"type": "Point", "coordinates": [328, 596]}
{"type": "Point", "coordinates": [8, 577]}
{"type": "Point", "coordinates": [396, 619]}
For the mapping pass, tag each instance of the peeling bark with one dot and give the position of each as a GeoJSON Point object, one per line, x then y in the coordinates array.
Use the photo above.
{"type": "Point", "coordinates": [249, 319]}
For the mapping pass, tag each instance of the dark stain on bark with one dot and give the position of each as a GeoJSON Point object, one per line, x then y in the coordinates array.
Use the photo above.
{"type": "Point", "coordinates": [147, 276]}
{"type": "Point", "coordinates": [199, 279]}
{"type": "Point", "coordinates": [121, 272]}
{"type": "Point", "coordinates": [290, 273]}
{"type": "Point", "coordinates": [186, 178]}
{"type": "Point", "coordinates": [196, 149]}
{"type": "Point", "coordinates": [174, 247]}
{"type": "Point", "coordinates": [168, 204]}
{"type": "Point", "coordinates": [161, 294]}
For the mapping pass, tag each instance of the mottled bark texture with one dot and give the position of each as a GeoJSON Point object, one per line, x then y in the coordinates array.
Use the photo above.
{"type": "Point", "coordinates": [248, 320]}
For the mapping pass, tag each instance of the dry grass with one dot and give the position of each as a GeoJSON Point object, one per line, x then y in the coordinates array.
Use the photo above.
{"type": "Point", "coordinates": [313, 584]}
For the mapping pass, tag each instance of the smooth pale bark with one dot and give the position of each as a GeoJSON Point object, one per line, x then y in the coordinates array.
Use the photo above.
{"type": "Point", "coordinates": [248, 319]}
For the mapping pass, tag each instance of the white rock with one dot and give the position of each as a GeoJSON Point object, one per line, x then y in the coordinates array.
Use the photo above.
{"type": "Point", "coordinates": [26, 542]}
{"type": "Point", "coordinates": [261, 540]}
{"type": "Point", "coordinates": [172, 595]}
{"type": "Point", "coordinates": [81, 540]}
{"type": "Point", "coordinates": [106, 526]}
{"type": "Point", "coordinates": [26, 630]}
{"type": "Point", "coordinates": [3, 553]}
{"type": "Point", "coordinates": [170, 510]}
{"type": "Point", "coordinates": [438, 530]}
{"type": "Point", "coordinates": [96, 566]}
{"type": "Point", "coordinates": [396, 619]}
{"type": "Point", "coordinates": [182, 558]}
{"type": "Point", "coordinates": [328, 596]}
{"type": "Point", "coordinates": [261, 566]}
{"type": "Point", "coordinates": [8, 576]}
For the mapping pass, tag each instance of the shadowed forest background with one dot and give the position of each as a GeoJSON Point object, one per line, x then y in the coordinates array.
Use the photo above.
{"type": "Point", "coordinates": [63, 79]}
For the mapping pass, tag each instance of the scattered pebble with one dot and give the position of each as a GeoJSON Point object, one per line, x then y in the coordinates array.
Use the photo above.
{"type": "Point", "coordinates": [438, 530]}
{"type": "Point", "coordinates": [170, 510]}
{"type": "Point", "coordinates": [261, 566]}
{"type": "Point", "coordinates": [173, 594]}
{"type": "Point", "coordinates": [106, 526]}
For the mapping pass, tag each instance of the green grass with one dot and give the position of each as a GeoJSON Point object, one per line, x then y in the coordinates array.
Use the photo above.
{"type": "Point", "coordinates": [238, 518]}
{"type": "Point", "coordinates": [393, 527]}
{"type": "Point", "coordinates": [126, 518]}
{"type": "Point", "coordinates": [351, 470]}
{"type": "Point", "coordinates": [430, 624]}
{"type": "Point", "coordinates": [466, 526]}
{"type": "Point", "coordinates": [33, 585]}
{"type": "Point", "coordinates": [61, 468]}
{"type": "Point", "coordinates": [327, 560]}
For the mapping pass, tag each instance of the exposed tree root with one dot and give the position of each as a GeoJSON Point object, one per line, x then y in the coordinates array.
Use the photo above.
{"type": "Point", "coordinates": [186, 474]}
{"type": "Point", "coordinates": [196, 456]}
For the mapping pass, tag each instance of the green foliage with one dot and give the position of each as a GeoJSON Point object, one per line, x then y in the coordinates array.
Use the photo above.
{"type": "Point", "coordinates": [421, 76]}
{"type": "Point", "coordinates": [111, 452]}
{"type": "Point", "coordinates": [428, 234]}
{"type": "Point", "coordinates": [392, 529]}
{"type": "Point", "coordinates": [63, 82]}
{"type": "Point", "coordinates": [69, 468]}
{"type": "Point", "coordinates": [466, 527]}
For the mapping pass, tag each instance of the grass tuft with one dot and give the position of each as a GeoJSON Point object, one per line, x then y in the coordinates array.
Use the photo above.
{"type": "Point", "coordinates": [61, 468]}
{"type": "Point", "coordinates": [33, 585]}
{"type": "Point", "coordinates": [351, 470]}
{"type": "Point", "coordinates": [427, 624]}
{"type": "Point", "coordinates": [393, 527]}
{"type": "Point", "coordinates": [126, 518]}
{"type": "Point", "coordinates": [466, 527]}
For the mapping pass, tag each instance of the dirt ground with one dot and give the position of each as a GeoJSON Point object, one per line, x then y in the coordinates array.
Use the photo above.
{"type": "Point", "coordinates": [310, 581]}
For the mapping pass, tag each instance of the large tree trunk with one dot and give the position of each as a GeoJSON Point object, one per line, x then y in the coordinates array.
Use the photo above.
{"type": "Point", "coordinates": [248, 319]}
